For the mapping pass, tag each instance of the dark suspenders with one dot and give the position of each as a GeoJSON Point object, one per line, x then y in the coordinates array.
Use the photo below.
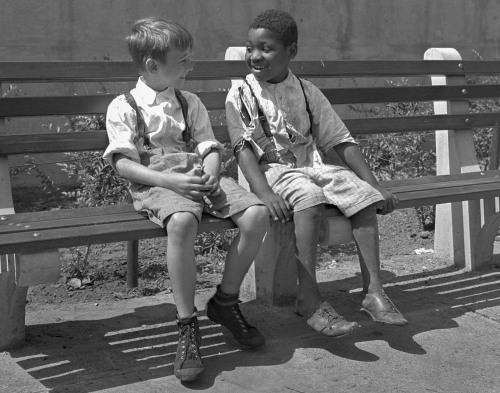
{"type": "Point", "coordinates": [141, 125]}
{"type": "Point", "coordinates": [245, 115]}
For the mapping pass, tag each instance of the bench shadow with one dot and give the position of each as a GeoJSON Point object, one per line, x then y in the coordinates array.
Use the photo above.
{"type": "Point", "coordinates": [430, 301]}
{"type": "Point", "coordinates": [93, 355]}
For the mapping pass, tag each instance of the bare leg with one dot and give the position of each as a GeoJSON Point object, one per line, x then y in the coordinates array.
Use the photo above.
{"type": "Point", "coordinates": [181, 229]}
{"type": "Point", "coordinates": [253, 224]}
{"type": "Point", "coordinates": [223, 307]}
{"type": "Point", "coordinates": [365, 233]}
{"type": "Point", "coordinates": [306, 240]}
{"type": "Point", "coordinates": [376, 303]}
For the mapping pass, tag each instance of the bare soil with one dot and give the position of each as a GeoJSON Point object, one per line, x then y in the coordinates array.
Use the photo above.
{"type": "Point", "coordinates": [102, 278]}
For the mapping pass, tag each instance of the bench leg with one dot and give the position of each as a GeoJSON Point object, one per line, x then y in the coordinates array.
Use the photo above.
{"type": "Point", "coordinates": [272, 278]}
{"type": "Point", "coordinates": [483, 251]}
{"type": "Point", "coordinates": [12, 305]}
{"type": "Point", "coordinates": [132, 263]}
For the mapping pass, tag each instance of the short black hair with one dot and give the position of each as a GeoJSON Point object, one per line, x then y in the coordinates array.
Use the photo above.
{"type": "Point", "coordinates": [279, 22]}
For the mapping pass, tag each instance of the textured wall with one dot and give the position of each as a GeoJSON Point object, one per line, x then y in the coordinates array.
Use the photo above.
{"type": "Point", "coordinates": [335, 29]}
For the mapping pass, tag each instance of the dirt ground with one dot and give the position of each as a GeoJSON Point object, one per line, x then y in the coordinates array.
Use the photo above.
{"type": "Point", "coordinates": [103, 276]}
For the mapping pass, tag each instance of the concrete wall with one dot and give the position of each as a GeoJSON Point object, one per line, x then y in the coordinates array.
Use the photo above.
{"type": "Point", "coordinates": [335, 29]}
{"type": "Point", "coordinates": [329, 30]}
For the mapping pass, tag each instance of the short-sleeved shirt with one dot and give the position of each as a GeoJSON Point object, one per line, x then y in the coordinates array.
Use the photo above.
{"type": "Point", "coordinates": [166, 151]}
{"type": "Point", "coordinates": [296, 169]}
{"type": "Point", "coordinates": [164, 121]}
{"type": "Point", "coordinates": [284, 106]}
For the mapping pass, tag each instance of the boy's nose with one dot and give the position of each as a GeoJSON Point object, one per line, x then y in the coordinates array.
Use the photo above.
{"type": "Point", "coordinates": [256, 55]}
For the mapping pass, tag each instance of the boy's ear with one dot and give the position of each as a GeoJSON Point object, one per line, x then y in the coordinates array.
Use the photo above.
{"type": "Point", "coordinates": [292, 50]}
{"type": "Point", "coordinates": [151, 66]}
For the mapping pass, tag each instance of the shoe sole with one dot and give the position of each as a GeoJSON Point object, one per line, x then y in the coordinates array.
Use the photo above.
{"type": "Point", "coordinates": [189, 377]}
{"type": "Point", "coordinates": [302, 318]}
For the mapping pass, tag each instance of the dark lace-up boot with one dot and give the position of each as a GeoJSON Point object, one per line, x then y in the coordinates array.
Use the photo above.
{"type": "Point", "coordinates": [224, 309]}
{"type": "Point", "coordinates": [188, 365]}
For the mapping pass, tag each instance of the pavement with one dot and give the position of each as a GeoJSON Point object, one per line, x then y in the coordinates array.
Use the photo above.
{"type": "Point", "coordinates": [450, 345]}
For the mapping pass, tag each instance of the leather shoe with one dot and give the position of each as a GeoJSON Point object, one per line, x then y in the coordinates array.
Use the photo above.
{"type": "Point", "coordinates": [381, 309]}
{"type": "Point", "coordinates": [328, 322]}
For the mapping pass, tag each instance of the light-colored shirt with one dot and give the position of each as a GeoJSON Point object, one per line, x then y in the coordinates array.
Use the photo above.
{"type": "Point", "coordinates": [284, 107]}
{"type": "Point", "coordinates": [162, 113]}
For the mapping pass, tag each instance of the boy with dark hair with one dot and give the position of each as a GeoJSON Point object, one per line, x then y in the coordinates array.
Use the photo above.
{"type": "Point", "coordinates": [285, 135]}
{"type": "Point", "coordinates": [161, 140]}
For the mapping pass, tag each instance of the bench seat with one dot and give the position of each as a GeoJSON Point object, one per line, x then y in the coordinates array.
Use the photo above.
{"type": "Point", "coordinates": [38, 231]}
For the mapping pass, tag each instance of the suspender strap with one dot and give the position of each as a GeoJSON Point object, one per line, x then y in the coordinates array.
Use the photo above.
{"type": "Point", "coordinates": [307, 106]}
{"type": "Point", "coordinates": [262, 118]}
{"type": "Point", "coordinates": [141, 125]}
{"type": "Point", "coordinates": [186, 134]}
{"type": "Point", "coordinates": [245, 115]}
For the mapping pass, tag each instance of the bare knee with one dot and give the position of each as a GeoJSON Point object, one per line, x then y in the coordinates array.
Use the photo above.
{"type": "Point", "coordinates": [182, 225]}
{"type": "Point", "coordinates": [311, 214]}
{"type": "Point", "coordinates": [254, 220]}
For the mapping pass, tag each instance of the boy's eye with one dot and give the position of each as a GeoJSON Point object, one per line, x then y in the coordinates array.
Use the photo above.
{"type": "Point", "coordinates": [267, 50]}
{"type": "Point", "coordinates": [249, 49]}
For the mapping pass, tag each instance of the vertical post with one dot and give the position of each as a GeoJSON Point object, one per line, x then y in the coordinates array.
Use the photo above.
{"type": "Point", "coordinates": [455, 153]}
{"type": "Point", "coordinates": [12, 296]}
{"type": "Point", "coordinates": [132, 263]}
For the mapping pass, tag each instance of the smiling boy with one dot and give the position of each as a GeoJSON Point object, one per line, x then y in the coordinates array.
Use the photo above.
{"type": "Point", "coordinates": [285, 135]}
{"type": "Point", "coordinates": [161, 140]}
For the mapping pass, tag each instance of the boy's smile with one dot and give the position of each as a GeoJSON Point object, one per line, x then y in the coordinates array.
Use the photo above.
{"type": "Point", "coordinates": [267, 57]}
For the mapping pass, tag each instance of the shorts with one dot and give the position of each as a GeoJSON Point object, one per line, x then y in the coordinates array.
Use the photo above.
{"type": "Point", "coordinates": [306, 187]}
{"type": "Point", "coordinates": [159, 203]}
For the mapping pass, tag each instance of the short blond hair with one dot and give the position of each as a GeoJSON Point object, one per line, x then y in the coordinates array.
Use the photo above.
{"type": "Point", "coordinates": [153, 37]}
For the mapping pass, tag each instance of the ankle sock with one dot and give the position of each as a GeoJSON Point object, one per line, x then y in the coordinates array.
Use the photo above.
{"type": "Point", "coordinates": [188, 319]}
{"type": "Point", "coordinates": [224, 299]}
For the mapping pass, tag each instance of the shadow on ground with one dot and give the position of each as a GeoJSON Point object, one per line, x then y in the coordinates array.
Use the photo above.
{"type": "Point", "coordinates": [93, 355]}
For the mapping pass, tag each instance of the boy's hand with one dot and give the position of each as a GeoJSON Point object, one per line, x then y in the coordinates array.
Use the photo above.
{"type": "Point", "coordinates": [212, 181]}
{"type": "Point", "coordinates": [189, 186]}
{"type": "Point", "coordinates": [389, 204]}
{"type": "Point", "coordinates": [279, 208]}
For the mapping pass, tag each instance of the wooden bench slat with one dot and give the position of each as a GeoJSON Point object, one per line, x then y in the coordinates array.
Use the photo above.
{"type": "Point", "coordinates": [98, 140]}
{"type": "Point", "coordinates": [447, 195]}
{"type": "Point", "coordinates": [374, 95]}
{"type": "Point", "coordinates": [88, 71]}
{"type": "Point", "coordinates": [93, 234]}
{"type": "Point", "coordinates": [215, 100]}
{"type": "Point", "coordinates": [384, 125]}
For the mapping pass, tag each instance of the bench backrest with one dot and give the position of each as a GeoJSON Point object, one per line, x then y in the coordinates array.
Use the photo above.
{"type": "Point", "coordinates": [331, 76]}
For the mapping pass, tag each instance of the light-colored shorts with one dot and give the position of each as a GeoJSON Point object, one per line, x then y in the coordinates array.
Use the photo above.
{"type": "Point", "coordinates": [159, 203]}
{"type": "Point", "coordinates": [306, 187]}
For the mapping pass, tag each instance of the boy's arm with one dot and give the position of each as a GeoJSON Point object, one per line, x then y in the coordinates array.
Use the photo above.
{"type": "Point", "coordinates": [354, 159]}
{"type": "Point", "coordinates": [277, 206]}
{"type": "Point", "coordinates": [211, 169]}
{"type": "Point", "coordinates": [189, 186]}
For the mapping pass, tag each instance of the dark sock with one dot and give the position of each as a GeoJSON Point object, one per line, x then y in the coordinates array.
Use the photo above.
{"type": "Point", "coordinates": [224, 299]}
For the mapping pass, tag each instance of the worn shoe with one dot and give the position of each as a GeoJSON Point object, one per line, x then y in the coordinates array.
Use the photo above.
{"type": "Point", "coordinates": [381, 309]}
{"type": "Point", "coordinates": [188, 365]}
{"type": "Point", "coordinates": [232, 319]}
{"type": "Point", "coordinates": [328, 322]}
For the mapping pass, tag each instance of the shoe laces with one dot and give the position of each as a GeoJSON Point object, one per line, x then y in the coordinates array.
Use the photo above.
{"type": "Point", "coordinates": [188, 341]}
{"type": "Point", "coordinates": [331, 316]}
{"type": "Point", "coordinates": [392, 307]}
{"type": "Point", "coordinates": [235, 309]}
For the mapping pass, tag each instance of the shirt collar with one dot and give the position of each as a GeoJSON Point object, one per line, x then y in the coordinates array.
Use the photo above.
{"type": "Point", "coordinates": [149, 95]}
{"type": "Point", "coordinates": [288, 81]}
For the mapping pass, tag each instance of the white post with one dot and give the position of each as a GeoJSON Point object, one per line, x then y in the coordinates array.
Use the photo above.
{"type": "Point", "coordinates": [457, 224]}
